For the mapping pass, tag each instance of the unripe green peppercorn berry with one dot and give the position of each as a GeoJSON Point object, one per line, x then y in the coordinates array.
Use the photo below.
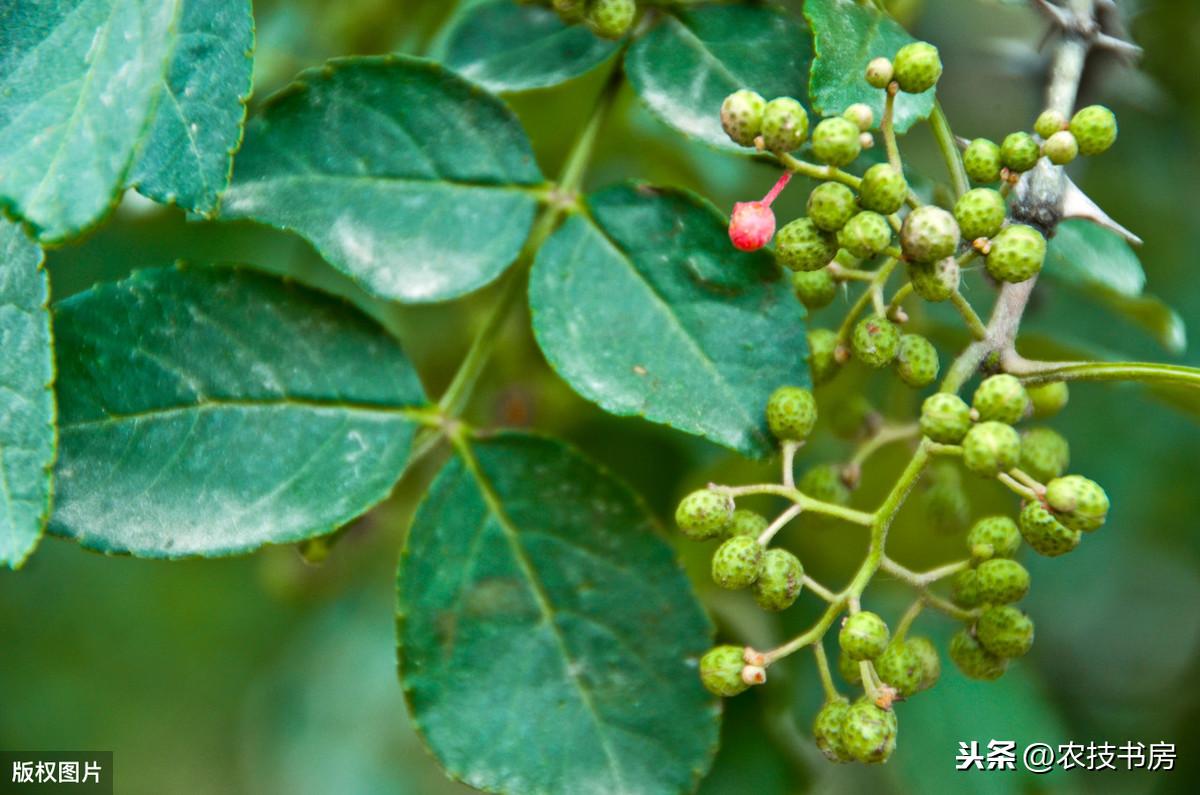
{"type": "Point", "coordinates": [1095, 128]}
{"type": "Point", "coordinates": [822, 343]}
{"type": "Point", "coordinates": [982, 160]}
{"type": "Point", "coordinates": [900, 667]}
{"type": "Point", "coordinates": [721, 670]}
{"type": "Point", "coordinates": [611, 19]}
{"type": "Point", "coordinates": [570, 11]}
{"type": "Point", "coordinates": [1005, 631]}
{"type": "Point", "coordinates": [990, 448]}
{"type": "Point", "coordinates": [865, 234]}
{"type": "Point", "coordinates": [815, 289]}
{"type": "Point", "coordinates": [852, 417]}
{"type": "Point", "coordinates": [945, 418]}
{"type": "Point", "coordinates": [1079, 503]}
{"type": "Point", "coordinates": [863, 636]}
{"type": "Point", "coordinates": [849, 669]}
{"type": "Point", "coordinates": [998, 534]}
{"type": "Point", "coordinates": [916, 361]}
{"type": "Point", "coordinates": [745, 522]}
{"type": "Point", "coordinates": [1001, 398]}
{"type": "Point", "coordinates": [836, 141]}
{"type": "Point", "coordinates": [791, 413]}
{"type": "Point", "coordinates": [964, 589]}
{"type": "Point", "coordinates": [880, 72]}
{"type": "Point", "coordinates": [1001, 581]}
{"type": "Point", "coordinates": [973, 660]}
{"type": "Point", "coordinates": [742, 116]}
{"type": "Point", "coordinates": [875, 341]}
{"type": "Point", "coordinates": [917, 67]}
{"type": "Point", "coordinates": [869, 732]}
{"type": "Point", "coordinates": [831, 205]}
{"type": "Point", "coordinates": [1048, 399]}
{"type": "Point", "coordinates": [980, 213]}
{"type": "Point", "coordinates": [935, 281]}
{"type": "Point", "coordinates": [784, 125]}
{"type": "Point", "coordinates": [737, 562]}
{"type": "Point", "coordinates": [883, 189]}
{"type": "Point", "coordinates": [824, 482]}
{"type": "Point", "coordinates": [1044, 533]}
{"type": "Point", "coordinates": [1049, 122]}
{"type": "Point", "coordinates": [1045, 454]}
{"type": "Point", "coordinates": [827, 730]}
{"type": "Point", "coordinates": [946, 508]}
{"type": "Point", "coordinates": [780, 580]}
{"type": "Point", "coordinates": [704, 514]}
{"type": "Point", "coordinates": [801, 246]}
{"type": "Point", "coordinates": [1060, 148]}
{"type": "Point", "coordinates": [861, 114]}
{"type": "Point", "coordinates": [931, 663]}
{"type": "Point", "coordinates": [929, 234]}
{"type": "Point", "coordinates": [1016, 253]}
{"type": "Point", "coordinates": [1019, 152]}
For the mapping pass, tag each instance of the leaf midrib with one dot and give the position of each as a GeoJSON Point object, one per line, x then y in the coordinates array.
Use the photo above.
{"type": "Point", "coordinates": [410, 413]}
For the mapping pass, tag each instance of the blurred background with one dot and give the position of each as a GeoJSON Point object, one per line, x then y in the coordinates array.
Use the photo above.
{"type": "Point", "coordinates": [269, 674]}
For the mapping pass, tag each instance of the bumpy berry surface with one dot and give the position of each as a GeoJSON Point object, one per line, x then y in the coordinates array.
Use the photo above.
{"type": "Point", "coordinates": [721, 670]}
{"type": "Point", "coordinates": [994, 537]}
{"type": "Point", "coordinates": [1044, 533]}
{"type": "Point", "coordinates": [802, 246]}
{"type": "Point", "coordinates": [945, 418]}
{"type": "Point", "coordinates": [737, 562]}
{"type": "Point", "coordinates": [917, 361]}
{"type": "Point", "coordinates": [990, 448]}
{"type": "Point", "coordinates": [824, 482]}
{"type": "Point", "coordinates": [831, 205]}
{"type": "Point", "coordinates": [784, 125]}
{"type": "Point", "coordinates": [929, 234]}
{"type": "Point", "coordinates": [861, 114]}
{"type": "Point", "coordinates": [791, 413]}
{"type": "Point", "coordinates": [863, 636]}
{"type": "Point", "coordinates": [815, 289]}
{"type": "Point", "coordinates": [780, 580]}
{"type": "Point", "coordinates": [980, 213]}
{"type": "Point", "coordinates": [1001, 581]}
{"type": "Point", "coordinates": [982, 160]}
{"type": "Point", "coordinates": [1049, 122]}
{"type": "Point", "coordinates": [742, 116]}
{"type": "Point", "coordinates": [917, 67]}
{"type": "Point", "coordinates": [931, 663]}
{"type": "Point", "coordinates": [751, 225]}
{"type": "Point", "coordinates": [1079, 503]}
{"type": "Point", "coordinates": [827, 730]}
{"type": "Point", "coordinates": [1016, 253]}
{"type": "Point", "coordinates": [880, 72]}
{"type": "Point", "coordinates": [1095, 128]}
{"type": "Point", "coordinates": [869, 732]}
{"type": "Point", "coordinates": [883, 189]}
{"type": "Point", "coordinates": [611, 18]}
{"type": "Point", "coordinates": [1001, 398]}
{"type": "Point", "coordinates": [865, 235]}
{"type": "Point", "coordinates": [875, 341]}
{"type": "Point", "coordinates": [1019, 152]}
{"type": "Point", "coordinates": [1061, 148]}
{"type": "Point", "coordinates": [1045, 454]}
{"type": "Point", "coordinates": [570, 11]}
{"type": "Point", "coordinates": [704, 514]}
{"type": "Point", "coordinates": [822, 343]}
{"type": "Point", "coordinates": [935, 281]}
{"type": "Point", "coordinates": [1005, 632]}
{"type": "Point", "coordinates": [836, 141]}
{"type": "Point", "coordinates": [973, 660]}
{"type": "Point", "coordinates": [745, 522]}
{"type": "Point", "coordinates": [900, 667]}
{"type": "Point", "coordinates": [1048, 399]}
{"type": "Point", "coordinates": [946, 508]}
{"type": "Point", "coordinates": [849, 669]}
{"type": "Point", "coordinates": [964, 589]}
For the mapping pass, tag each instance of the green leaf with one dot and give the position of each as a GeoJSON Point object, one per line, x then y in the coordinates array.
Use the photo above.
{"type": "Point", "coordinates": [416, 183]}
{"type": "Point", "coordinates": [27, 435]}
{"type": "Point", "coordinates": [1083, 253]}
{"type": "Point", "coordinates": [684, 68]}
{"type": "Point", "coordinates": [846, 36]}
{"type": "Point", "coordinates": [646, 309]}
{"type": "Point", "coordinates": [78, 79]}
{"type": "Point", "coordinates": [1147, 313]}
{"type": "Point", "coordinates": [187, 156]}
{"type": "Point", "coordinates": [211, 411]}
{"type": "Point", "coordinates": [549, 640]}
{"type": "Point", "coordinates": [504, 46]}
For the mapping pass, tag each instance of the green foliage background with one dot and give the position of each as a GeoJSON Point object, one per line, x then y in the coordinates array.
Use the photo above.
{"type": "Point", "coordinates": [265, 674]}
